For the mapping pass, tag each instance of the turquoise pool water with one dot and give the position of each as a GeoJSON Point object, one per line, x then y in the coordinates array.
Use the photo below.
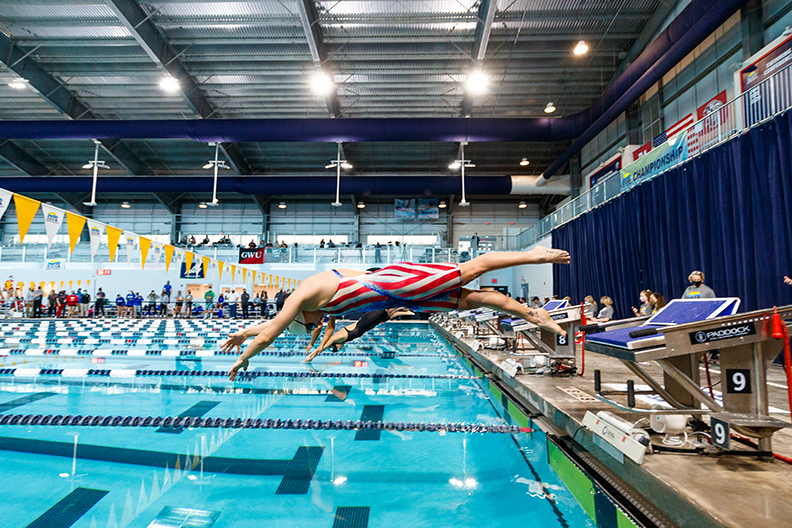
{"type": "Point", "coordinates": [139, 477]}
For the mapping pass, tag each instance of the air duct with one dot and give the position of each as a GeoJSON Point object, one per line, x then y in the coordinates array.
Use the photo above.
{"type": "Point", "coordinates": [538, 185]}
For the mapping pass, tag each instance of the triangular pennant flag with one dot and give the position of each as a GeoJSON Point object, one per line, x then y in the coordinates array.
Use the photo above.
{"type": "Point", "coordinates": [78, 283]}
{"type": "Point", "coordinates": [71, 285]}
{"type": "Point", "coordinates": [244, 274]}
{"type": "Point", "coordinates": [220, 268]}
{"type": "Point", "coordinates": [75, 223]}
{"type": "Point", "coordinates": [205, 266]}
{"type": "Point", "coordinates": [145, 245]}
{"type": "Point", "coordinates": [168, 256]}
{"type": "Point", "coordinates": [188, 257]}
{"type": "Point", "coordinates": [52, 285]}
{"type": "Point", "coordinates": [157, 252]}
{"type": "Point", "coordinates": [113, 235]}
{"type": "Point", "coordinates": [131, 239]}
{"type": "Point", "coordinates": [53, 218]}
{"type": "Point", "coordinates": [95, 234]}
{"type": "Point", "coordinates": [26, 210]}
{"type": "Point", "coordinates": [233, 273]}
{"type": "Point", "coordinates": [5, 201]}
{"type": "Point", "coordinates": [61, 285]}
{"type": "Point", "coordinates": [88, 282]}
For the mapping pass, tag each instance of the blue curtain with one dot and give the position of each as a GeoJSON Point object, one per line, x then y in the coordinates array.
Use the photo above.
{"type": "Point", "coordinates": [727, 213]}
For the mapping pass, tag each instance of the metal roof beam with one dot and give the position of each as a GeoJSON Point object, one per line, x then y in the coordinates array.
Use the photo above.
{"type": "Point", "coordinates": [22, 160]}
{"type": "Point", "coordinates": [310, 23]}
{"type": "Point", "coordinates": [484, 18]}
{"type": "Point", "coordinates": [140, 26]}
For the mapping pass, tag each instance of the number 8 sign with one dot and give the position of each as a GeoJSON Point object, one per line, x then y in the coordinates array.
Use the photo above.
{"type": "Point", "coordinates": [719, 431]}
{"type": "Point", "coordinates": [561, 340]}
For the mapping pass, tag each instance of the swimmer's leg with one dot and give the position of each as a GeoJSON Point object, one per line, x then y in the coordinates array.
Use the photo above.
{"type": "Point", "coordinates": [496, 260]}
{"type": "Point", "coordinates": [470, 299]}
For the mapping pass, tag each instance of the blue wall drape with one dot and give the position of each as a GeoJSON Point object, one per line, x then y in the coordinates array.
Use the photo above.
{"type": "Point", "coordinates": [727, 213]}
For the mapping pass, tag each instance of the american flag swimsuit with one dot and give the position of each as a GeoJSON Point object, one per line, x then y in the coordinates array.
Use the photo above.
{"type": "Point", "coordinates": [417, 287]}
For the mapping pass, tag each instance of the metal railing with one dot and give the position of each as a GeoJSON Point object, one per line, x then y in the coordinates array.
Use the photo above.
{"type": "Point", "coordinates": [759, 104]}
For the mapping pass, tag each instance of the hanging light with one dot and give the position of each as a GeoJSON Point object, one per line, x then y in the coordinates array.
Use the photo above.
{"type": "Point", "coordinates": [208, 165]}
{"type": "Point", "coordinates": [477, 83]}
{"type": "Point", "coordinates": [216, 163]}
{"type": "Point", "coordinates": [361, 205]}
{"type": "Point", "coordinates": [346, 165]}
{"type": "Point", "coordinates": [17, 85]}
{"type": "Point", "coordinates": [125, 205]}
{"type": "Point", "coordinates": [282, 205]}
{"type": "Point", "coordinates": [169, 84]}
{"type": "Point", "coordinates": [550, 108]}
{"type": "Point", "coordinates": [523, 205]}
{"type": "Point", "coordinates": [338, 164]}
{"type": "Point", "coordinates": [202, 205]}
{"type": "Point", "coordinates": [322, 84]}
{"type": "Point", "coordinates": [581, 48]}
{"type": "Point", "coordinates": [94, 164]}
{"type": "Point", "coordinates": [442, 205]}
{"type": "Point", "coordinates": [524, 162]}
{"type": "Point", "coordinates": [455, 165]}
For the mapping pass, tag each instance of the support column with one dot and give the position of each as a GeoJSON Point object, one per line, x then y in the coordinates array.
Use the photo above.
{"type": "Point", "coordinates": [176, 221]}
{"type": "Point", "coordinates": [634, 130]}
{"type": "Point", "coordinates": [576, 178]}
{"type": "Point", "coordinates": [752, 28]}
{"type": "Point", "coordinates": [450, 223]}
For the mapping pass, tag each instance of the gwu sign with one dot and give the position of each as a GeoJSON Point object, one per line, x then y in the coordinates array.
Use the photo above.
{"type": "Point", "coordinates": [251, 256]}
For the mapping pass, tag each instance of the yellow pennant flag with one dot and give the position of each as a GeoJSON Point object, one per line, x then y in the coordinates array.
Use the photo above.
{"type": "Point", "coordinates": [244, 274]}
{"type": "Point", "coordinates": [206, 266]}
{"type": "Point", "coordinates": [89, 282]}
{"type": "Point", "coordinates": [145, 245]}
{"type": "Point", "coordinates": [61, 285]}
{"type": "Point", "coordinates": [78, 283]}
{"type": "Point", "coordinates": [52, 284]}
{"type": "Point", "coordinates": [71, 285]}
{"type": "Point", "coordinates": [113, 234]}
{"type": "Point", "coordinates": [76, 223]}
{"type": "Point", "coordinates": [168, 256]}
{"type": "Point", "coordinates": [188, 256]}
{"type": "Point", "coordinates": [233, 273]}
{"type": "Point", "coordinates": [220, 268]}
{"type": "Point", "coordinates": [26, 210]}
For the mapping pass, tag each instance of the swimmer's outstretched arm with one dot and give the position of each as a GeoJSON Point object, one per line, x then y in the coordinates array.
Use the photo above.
{"type": "Point", "coordinates": [237, 338]}
{"type": "Point", "coordinates": [315, 335]}
{"type": "Point", "coordinates": [329, 331]}
{"type": "Point", "coordinates": [339, 337]}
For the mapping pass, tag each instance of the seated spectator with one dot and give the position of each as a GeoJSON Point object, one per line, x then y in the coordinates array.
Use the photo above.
{"type": "Point", "coordinates": [321, 244]}
{"type": "Point", "coordinates": [252, 244]}
{"type": "Point", "coordinates": [646, 306]}
{"type": "Point", "coordinates": [192, 240]}
{"type": "Point", "coordinates": [536, 302]}
{"type": "Point", "coordinates": [205, 241]}
{"type": "Point", "coordinates": [591, 307]}
{"type": "Point", "coordinates": [262, 244]}
{"type": "Point", "coordinates": [657, 301]}
{"type": "Point", "coordinates": [697, 288]}
{"type": "Point", "coordinates": [606, 314]}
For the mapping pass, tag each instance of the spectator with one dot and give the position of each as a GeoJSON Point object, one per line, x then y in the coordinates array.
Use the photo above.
{"type": "Point", "coordinates": [179, 303]}
{"type": "Point", "coordinates": [657, 301]}
{"type": "Point", "coordinates": [331, 244]}
{"type": "Point", "coordinates": [188, 301]}
{"type": "Point", "coordinates": [545, 300]}
{"type": "Point", "coordinates": [232, 298]}
{"type": "Point", "coordinates": [38, 296]}
{"type": "Point", "coordinates": [72, 302]}
{"type": "Point", "coordinates": [263, 306]}
{"type": "Point", "coordinates": [321, 244]}
{"type": "Point", "coordinates": [167, 288]}
{"type": "Point", "coordinates": [151, 309]}
{"type": "Point", "coordinates": [474, 244]}
{"type": "Point", "coordinates": [101, 300]}
{"type": "Point", "coordinates": [646, 307]}
{"type": "Point", "coordinates": [205, 241]}
{"type": "Point", "coordinates": [280, 298]}
{"type": "Point", "coordinates": [52, 303]}
{"type": "Point", "coordinates": [245, 298]}
{"type": "Point", "coordinates": [591, 306]}
{"type": "Point", "coordinates": [252, 244]}
{"type": "Point", "coordinates": [129, 308]}
{"type": "Point", "coordinates": [536, 302]}
{"type": "Point", "coordinates": [377, 253]}
{"type": "Point", "coordinates": [209, 297]}
{"type": "Point", "coordinates": [697, 288]}
{"type": "Point", "coordinates": [606, 314]}
{"type": "Point", "coordinates": [138, 305]}
{"type": "Point", "coordinates": [192, 240]}
{"type": "Point", "coordinates": [85, 303]}
{"type": "Point", "coordinates": [220, 303]}
{"type": "Point", "coordinates": [164, 301]}
{"type": "Point", "coordinates": [256, 304]}
{"type": "Point", "coordinates": [120, 306]}
{"type": "Point", "coordinates": [262, 244]}
{"type": "Point", "coordinates": [9, 284]}
{"type": "Point", "coordinates": [61, 303]}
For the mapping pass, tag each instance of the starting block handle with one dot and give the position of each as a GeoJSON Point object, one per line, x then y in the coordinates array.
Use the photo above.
{"type": "Point", "coordinates": [643, 332]}
{"type": "Point", "coordinates": [588, 327]}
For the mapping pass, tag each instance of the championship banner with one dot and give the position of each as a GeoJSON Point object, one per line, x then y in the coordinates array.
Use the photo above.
{"type": "Point", "coordinates": [145, 245]}
{"type": "Point", "coordinates": [663, 157]}
{"type": "Point", "coordinates": [130, 238]}
{"type": "Point", "coordinates": [5, 201]}
{"type": "Point", "coordinates": [113, 236]}
{"type": "Point", "coordinates": [75, 224]}
{"type": "Point", "coordinates": [53, 218]}
{"type": "Point", "coordinates": [610, 167]}
{"type": "Point", "coordinates": [168, 256]}
{"type": "Point", "coordinates": [95, 235]}
{"type": "Point", "coordinates": [26, 210]}
{"type": "Point", "coordinates": [762, 97]}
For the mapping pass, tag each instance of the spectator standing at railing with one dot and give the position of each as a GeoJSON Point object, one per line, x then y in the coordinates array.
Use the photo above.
{"type": "Point", "coordinates": [85, 303]}
{"type": "Point", "coordinates": [252, 244]}
{"type": "Point", "coordinates": [221, 300]}
{"type": "Point", "coordinates": [138, 305]}
{"type": "Point", "coordinates": [263, 304]}
{"type": "Point", "coordinates": [474, 245]}
{"type": "Point", "coordinates": [61, 303]}
{"type": "Point", "coordinates": [188, 301]}
{"type": "Point", "coordinates": [164, 301]}
{"type": "Point", "coordinates": [151, 308]}
{"type": "Point", "coordinates": [209, 297]}
{"type": "Point", "coordinates": [38, 296]}
{"type": "Point", "coordinates": [245, 299]}
{"type": "Point", "coordinates": [120, 306]}
{"type": "Point", "coordinates": [256, 301]}
{"type": "Point", "coordinates": [232, 299]}
{"type": "Point", "coordinates": [167, 288]}
{"type": "Point", "coordinates": [377, 253]}
{"type": "Point", "coordinates": [177, 308]}
{"type": "Point", "coordinates": [280, 298]}
{"type": "Point", "coordinates": [52, 303]}
{"type": "Point", "coordinates": [101, 300]}
{"type": "Point", "coordinates": [71, 302]}
{"type": "Point", "coordinates": [129, 307]}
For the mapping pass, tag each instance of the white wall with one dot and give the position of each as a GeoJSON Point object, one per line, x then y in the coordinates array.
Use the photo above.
{"type": "Point", "coordinates": [539, 277]}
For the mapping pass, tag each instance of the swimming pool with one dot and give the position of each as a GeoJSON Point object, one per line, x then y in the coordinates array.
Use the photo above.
{"type": "Point", "coordinates": [94, 476]}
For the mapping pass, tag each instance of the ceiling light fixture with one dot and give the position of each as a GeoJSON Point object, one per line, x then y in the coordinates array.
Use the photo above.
{"type": "Point", "coordinates": [125, 205]}
{"type": "Point", "coordinates": [202, 205]}
{"type": "Point", "coordinates": [338, 163]}
{"type": "Point", "coordinates": [17, 85]}
{"type": "Point", "coordinates": [523, 205]}
{"type": "Point", "coordinates": [524, 162]}
{"type": "Point", "coordinates": [550, 108]}
{"type": "Point", "coordinates": [169, 84]}
{"type": "Point", "coordinates": [282, 205]}
{"type": "Point", "coordinates": [442, 205]}
{"type": "Point", "coordinates": [322, 84]}
{"type": "Point", "coordinates": [581, 48]}
{"type": "Point", "coordinates": [217, 163]}
{"type": "Point", "coordinates": [94, 164]}
{"type": "Point", "coordinates": [463, 164]}
{"type": "Point", "coordinates": [477, 83]}
{"type": "Point", "coordinates": [361, 205]}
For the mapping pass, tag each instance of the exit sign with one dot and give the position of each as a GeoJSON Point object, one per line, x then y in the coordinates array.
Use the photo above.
{"type": "Point", "coordinates": [103, 272]}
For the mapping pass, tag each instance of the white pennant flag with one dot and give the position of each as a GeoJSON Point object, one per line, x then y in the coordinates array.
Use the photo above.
{"type": "Point", "coordinates": [131, 239]}
{"type": "Point", "coordinates": [157, 253]}
{"type": "Point", "coordinates": [95, 230]}
{"type": "Point", "coordinates": [53, 218]}
{"type": "Point", "coordinates": [5, 200]}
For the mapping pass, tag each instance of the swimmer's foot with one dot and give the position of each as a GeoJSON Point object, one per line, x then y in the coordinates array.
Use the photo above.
{"type": "Point", "coordinates": [543, 320]}
{"type": "Point", "coordinates": [554, 256]}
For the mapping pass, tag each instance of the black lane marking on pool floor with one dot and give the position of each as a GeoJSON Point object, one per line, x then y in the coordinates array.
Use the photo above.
{"type": "Point", "coordinates": [373, 413]}
{"type": "Point", "coordinates": [199, 409]}
{"type": "Point", "coordinates": [351, 517]}
{"type": "Point", "coordinates": [24, 400]}
{"type": "Point", "coordinates": [297, 472]}
{"type": "Point", "coordinates": [69, 509]}
{"type": "Point", "coordinates": [339, 393]}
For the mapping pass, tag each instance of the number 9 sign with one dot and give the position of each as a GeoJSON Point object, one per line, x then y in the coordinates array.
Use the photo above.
{"type": "Point", "coordinates": [738, 381]}
{"type": "Point", "coordinates": [719, 431]}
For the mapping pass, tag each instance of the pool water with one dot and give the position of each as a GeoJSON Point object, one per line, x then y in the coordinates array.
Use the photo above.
{"type": "Point", "coordinates": [61, 476]}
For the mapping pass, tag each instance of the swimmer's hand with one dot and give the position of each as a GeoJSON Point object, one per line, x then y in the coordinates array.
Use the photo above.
{"type": "Point", "coordinates": [312, 355]}
{"type": "Point", "coordinates": [234, 340]}
{"type": "Point", "coordinates": [240, 363]}
{"type": "Point", "coordinates": [787, 280]}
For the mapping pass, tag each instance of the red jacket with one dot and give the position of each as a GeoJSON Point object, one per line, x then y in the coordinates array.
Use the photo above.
{"type": "Point", "coordinates": [72, 300]}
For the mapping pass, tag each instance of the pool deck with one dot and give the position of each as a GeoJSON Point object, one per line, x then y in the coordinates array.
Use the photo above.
{"type": "Point", "coordinates": [695, 491]}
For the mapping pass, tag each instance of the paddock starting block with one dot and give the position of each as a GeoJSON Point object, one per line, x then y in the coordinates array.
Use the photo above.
{"type": "Point", "coordinates": [676, 338]}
